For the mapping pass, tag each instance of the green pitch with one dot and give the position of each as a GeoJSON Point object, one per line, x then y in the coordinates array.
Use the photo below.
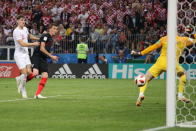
{"type": "Point", "coordinates": [82, 105]}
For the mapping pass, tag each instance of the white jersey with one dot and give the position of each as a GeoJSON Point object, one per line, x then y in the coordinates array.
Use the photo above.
{"type": "Point", "coordinates": [20, 34]}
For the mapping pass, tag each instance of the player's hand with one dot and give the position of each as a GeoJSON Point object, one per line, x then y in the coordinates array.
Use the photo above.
{"type": "Point", "coordinates": [135, 53]}
{"type": "Point", "coordinates": [55, 58]}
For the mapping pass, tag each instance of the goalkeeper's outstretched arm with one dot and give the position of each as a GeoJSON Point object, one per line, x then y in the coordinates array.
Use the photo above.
{"type": "Point", "coordinates": [191, 41]}
{"type": "Point", "coordinates": [149, 49]}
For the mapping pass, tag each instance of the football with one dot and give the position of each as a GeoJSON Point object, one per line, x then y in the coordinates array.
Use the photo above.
{"type": "Point", "coordinates": [140, 80]}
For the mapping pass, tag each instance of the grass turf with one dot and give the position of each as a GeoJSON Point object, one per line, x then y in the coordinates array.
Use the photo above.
{"type": "Point", "coordinates": [82, 105]}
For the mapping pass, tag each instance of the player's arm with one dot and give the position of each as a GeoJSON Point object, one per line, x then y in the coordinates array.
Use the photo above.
{"type": "Point", "coordinates": [149, 49]}
{"type": "Point", "coordinates": [32, 37]}
{"type": "Point", "coordinates": [25, 44]}
{"type": "Point", "coordinates": [194, 40]}
{"type": "Point", "coordinates": [19, 39]}
{"type": "Point", "coordinates": [43, 50]}
{"type": "Point", "coordinates": [190, 41]}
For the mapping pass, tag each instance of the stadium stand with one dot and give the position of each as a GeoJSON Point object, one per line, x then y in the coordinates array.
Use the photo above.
{"type": "Point", "coordinates": [110, 25]}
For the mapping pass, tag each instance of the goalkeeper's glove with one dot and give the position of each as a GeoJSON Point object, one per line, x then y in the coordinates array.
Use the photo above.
{"type": "Point", "coordinates": [136, 53]}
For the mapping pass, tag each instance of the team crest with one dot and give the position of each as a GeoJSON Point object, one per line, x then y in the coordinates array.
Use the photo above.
{"type": "Point", "coordinates": [45, 38]}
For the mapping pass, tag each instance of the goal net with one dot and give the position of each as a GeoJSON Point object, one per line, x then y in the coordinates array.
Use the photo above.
{"type": "Point", "coordinates": [186, 19]}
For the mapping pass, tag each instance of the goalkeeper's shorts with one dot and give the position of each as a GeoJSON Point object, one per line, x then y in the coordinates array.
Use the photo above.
{"type": "Point", "coordinates": [161, 66]}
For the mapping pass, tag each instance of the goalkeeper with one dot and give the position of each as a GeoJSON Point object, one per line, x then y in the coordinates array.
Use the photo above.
{"type": "Point", "coordinates": [161, 64]}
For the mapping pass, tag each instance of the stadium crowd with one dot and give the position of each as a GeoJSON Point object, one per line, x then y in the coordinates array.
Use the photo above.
{"type": "Point", "coordinates": [110, 25]}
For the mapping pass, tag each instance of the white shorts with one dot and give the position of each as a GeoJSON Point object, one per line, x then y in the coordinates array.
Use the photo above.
{"type": "Point", "coordinates": [22, 61]}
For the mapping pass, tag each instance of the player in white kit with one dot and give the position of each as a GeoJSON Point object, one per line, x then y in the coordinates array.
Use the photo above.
{"type": "Point", "coordinates": [21, 54]}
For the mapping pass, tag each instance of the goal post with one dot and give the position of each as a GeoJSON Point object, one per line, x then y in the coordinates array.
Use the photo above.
{"type": "Point", "coordinates": [171, 64]}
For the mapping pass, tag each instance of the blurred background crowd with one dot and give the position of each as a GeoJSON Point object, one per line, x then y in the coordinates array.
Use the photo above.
{"type": "Point", "coordinates": [110, 25]}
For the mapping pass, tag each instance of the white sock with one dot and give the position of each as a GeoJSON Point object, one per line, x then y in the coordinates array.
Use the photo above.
{"type": "Point", "coordinates": [141, 94]}
{"type": "Point", "coordinates": [180, 95]}
{"type": "Point", "coordinates": [23, 84]}
{"type": "Point", "coordinates": [23, 78]}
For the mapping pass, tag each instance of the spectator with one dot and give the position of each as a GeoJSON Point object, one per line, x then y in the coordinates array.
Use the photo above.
{"type": "Point", "coordinates": [82, 17]}
{"type": "Point", "coordinates": [103, 59]}
{"type": "Point", "coordinates": [1, 35]}
{"type": "Point", "coordinates": [150, 57]}
{"type": "Point", "coordinates": [94, 39]}
{"type": "Point", "coordinates": [127, 20]}
{"type": "Point", "coordinates": [79, 30]}
{"type": "Point", "coordinates": [46, 19]}
{"type": "Point", "coordinates": [162, 32]}
{"type": "Point", "coordinates": [120, 58]}
{"type": "Point", "coordinates": [162, 15]}
{"type": "Point", "coordinates": [150, 16]}
{"type": "Point", "coordinates": [34, 30]}
{"type": "Point", "coordinates": [37, 15]}
{"type": "Point", "coordinates": [65, 16]}
{"type": "Point", "coordinates": [61, 30]}
{"type": "Point", "coordinates": [7, 30]}
{"type": "Point", "coordinates": [104, 39]}
{"type": "Point", "coordinates": [121, 40]}
{"type": "Point", "coordinates": [113, 40]}
{"type": "Point", "coordinates": [82, 50]}
{"type": "Point", "coordinates": [136, 22]}
{"type": "Point", "coordinates": [93, 18]}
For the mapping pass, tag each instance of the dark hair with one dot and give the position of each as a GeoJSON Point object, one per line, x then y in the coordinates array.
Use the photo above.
{"type": "Point", "coordinates": [52, 24]}
{"type": "Point", "coordinates": [19, 17]}
{"type": "Point", "coordinates": [83, 38]}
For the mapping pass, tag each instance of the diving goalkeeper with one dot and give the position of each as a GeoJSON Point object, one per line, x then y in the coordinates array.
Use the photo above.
{"type": "Point", "coordinates": [161, 64]}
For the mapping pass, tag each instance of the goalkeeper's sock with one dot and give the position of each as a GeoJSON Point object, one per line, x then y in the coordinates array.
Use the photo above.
{"type": "Point", "coordinates": [180, 95]}
{"type": "Point", "coordinates": [30, 77]}
{"type": "Point", "coordinates": [141, 94]}
{"type": "Point", "coordinates": [41, 86]}
{"type": "Point", "coordinates": [182, 82]}
{"type": "Point", "coordinates": [143, 88]}
{"type": "Point", "coordinates": [182, 98]}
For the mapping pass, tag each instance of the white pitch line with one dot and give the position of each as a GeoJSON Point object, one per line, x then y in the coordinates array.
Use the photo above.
{"type": "Point", "coordinates": [157, 128]}
{"type": "Point", "coordinates": [25, 99]}
{"type": "Point", "coordinates": [67, 95]}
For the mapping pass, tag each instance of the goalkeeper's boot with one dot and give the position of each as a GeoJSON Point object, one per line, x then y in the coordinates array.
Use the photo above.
{"type": "Point", "coordinates": [184, 99]}
{"type": "Point", "coordinates": [139, 100]}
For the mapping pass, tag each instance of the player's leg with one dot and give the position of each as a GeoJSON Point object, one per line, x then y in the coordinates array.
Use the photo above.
{"type": "Point", "coordinates": [148, 78]}
{"type": "Point", "coordinates": [41, 85]}
{"type": "Point", "coordinates": [153, 72]}
{"type": "Point", "coordinates": [79, 60]}
{"type": "Point", "coordinates": [35, 65]}
{"type": "Point", "coordinates": [142, 89]}
{"type": "Point", "coordinates": [43, 68]}
{"type": "Point", "coordinates": [21, 87]}
{"type": "Point", "coordinates": [21, 80]}
{"type": "Point", "coordinates": [85, 61]}
{"type": "Point", "coordinates": [182, 83]}
{"type": "Point", "coordinates": [30, 74]}
{"type": "Point", "coordinates": [35, 71]}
